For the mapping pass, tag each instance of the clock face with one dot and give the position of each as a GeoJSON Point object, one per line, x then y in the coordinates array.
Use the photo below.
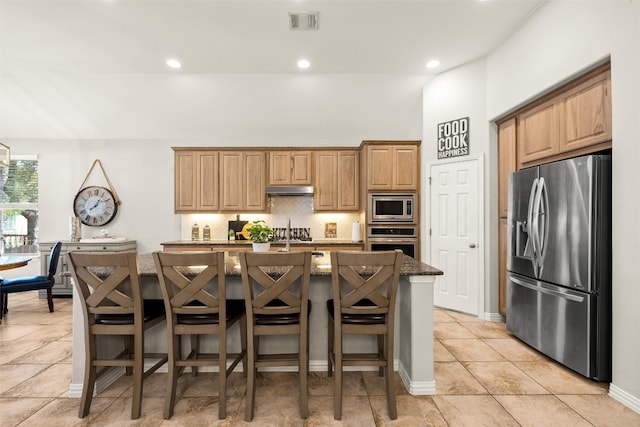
{"type": "Point", "coordinates": [95, 206]}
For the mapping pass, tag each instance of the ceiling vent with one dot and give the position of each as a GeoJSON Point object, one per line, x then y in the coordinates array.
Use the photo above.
{"type": "Point", "coordinates": [303, 21]}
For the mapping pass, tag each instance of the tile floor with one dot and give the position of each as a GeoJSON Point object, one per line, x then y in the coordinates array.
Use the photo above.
{"type": "Point", "coordinates": [484, 377]}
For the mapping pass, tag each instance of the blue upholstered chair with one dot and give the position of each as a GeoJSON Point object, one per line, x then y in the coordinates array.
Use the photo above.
{"type": "Point", "coordinates": [31, 283]}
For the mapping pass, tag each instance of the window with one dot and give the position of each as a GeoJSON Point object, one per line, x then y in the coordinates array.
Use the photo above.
{"type": "Point", "coordinates": [19, 205]}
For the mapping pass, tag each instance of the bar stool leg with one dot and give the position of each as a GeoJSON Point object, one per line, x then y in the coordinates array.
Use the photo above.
{"type": "Point", "coordinates": [174, 372]}
{"type": "Point", "coordinates": [389, 380]}
{"type": "Point", "coordinates": [337, 382]}
{"type": "Point", "coordinates": [330, 327]}
{"type": "Point", "coordinates": [252, 348]}
{"type": "Point", "coordinates": [303, 372]}
{"type": "Point", "coordinates": [89, 377]}
{"type": "Point", "coordinates": [138, 375]}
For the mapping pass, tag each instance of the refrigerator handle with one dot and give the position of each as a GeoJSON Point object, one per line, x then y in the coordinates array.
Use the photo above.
{"type": "Point", "coordinates": [531, 227]}
{"type": "Point", "coordinates": [543, 223]}
{"type": "Point", "coordinates": [570, 297]}
{"type": "Point", "coordinates": [537, 201]}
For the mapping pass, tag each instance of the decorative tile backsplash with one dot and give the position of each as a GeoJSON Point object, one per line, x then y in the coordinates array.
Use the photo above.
{"type": "Point", "coordinates": [297, 208]}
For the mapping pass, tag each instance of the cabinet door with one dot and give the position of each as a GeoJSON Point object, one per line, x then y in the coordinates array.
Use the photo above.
{"type": "Point", "coordinates": [585, 114]}
{"type": "Point", "coordinates": [538, 132]}
{"type": "Point", "coordinates": [502, 267]}
{"type": "Point", "coordinates": [392, 167]}
{"type": "Point", "coordinates": [208, 185]}
{"type": "Point", "coordinates": [405, 168]}
{"type": "Point", "coordinates": [279, 168]}
{"type": "Point", "coordinates": [506, 161]}
{"type": "Point", "coordinates": [231, 174]}
{"type": "Point", "coordinates": [185, 181]}
{"type": "Point", "coordinates": [254, 181]}
{"type": "Point", "coordinates": [301, 168]}
{"type": "Point", "coordinates": [290, 168]}
{"type": "Point", "coordinates": [379, 167]}
{"type": "Point", "coordinates": [349, 181]}
{"type": "Point", "coordinates": [325, 196]}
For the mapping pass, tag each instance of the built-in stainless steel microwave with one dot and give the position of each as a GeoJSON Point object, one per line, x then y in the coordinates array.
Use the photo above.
{"type": "Point", "coordinates": [392, 208]}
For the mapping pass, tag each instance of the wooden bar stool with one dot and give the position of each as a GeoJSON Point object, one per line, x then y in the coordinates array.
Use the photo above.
{"type": "Point", "coordinates": [365, 285]}
{"type": "Point", "coordinates": [108, 285]}
{"type": "Point", "coordinates": [194, 290]}
{"type": "Point", "coordinates": [276, 291]}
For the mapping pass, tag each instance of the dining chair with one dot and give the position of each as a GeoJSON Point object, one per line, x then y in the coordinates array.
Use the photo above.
{"type": "Point", "coordinates": [32, 283]}
{"type": "Point", "coordinates": [194, 291]}
{"type": "Point", "coordinates": [109, 289]}
{"type": "Point", "coordinates": [276, 291]}
{"type": "Point", "coordinates": [365, 285]}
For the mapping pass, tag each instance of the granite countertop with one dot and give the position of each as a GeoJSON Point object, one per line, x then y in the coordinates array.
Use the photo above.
{"type": "Point", "coordinates": [320, 266]}
{"type": "Point", "coordinates": [319, 242]}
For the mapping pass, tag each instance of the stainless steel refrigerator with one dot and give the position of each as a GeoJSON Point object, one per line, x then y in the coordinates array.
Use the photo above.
{"type": "Point", "coordinates": [559, 262]}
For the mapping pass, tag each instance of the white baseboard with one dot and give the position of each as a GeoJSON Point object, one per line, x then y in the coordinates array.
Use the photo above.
{"type": "Point", "coordinates": [493, 317]}
{"type": "Point", "coordinates": [627, 399]}
{"type": "Point", "coordinates": [102, 382]}
{"type": "Point", "coordinates": [416, 388]}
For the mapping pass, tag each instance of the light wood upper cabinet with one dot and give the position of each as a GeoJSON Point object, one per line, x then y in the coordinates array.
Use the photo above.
{"type": "Point", "coordinates": [185, 181]}
{"type": "Point", "coordinates": [337, 183]}
{"type": "Point", "coordinates": [208, 183]}
{"type": "Point", "coordinates": [538, 132]}
{"type": "Point", "coordinates": [196, 181]}
{"type": "Point", "coordinates": [255, 181]}
{"type": "Point", "coordinates": [585, 113]}
{"type": "Point", "coordinates": [243, 181]}
{"type": "Point", "coordinates": [574, 122]}
{"type": "Point", "coordinates": [506, 161]}
{"type": "Point", "coordinates": [290, 168]}
{"type": "Point", "coordinates": [379, 167]}
{"type": "Point", "coordinates": [325, 197]}
{"type": "Point", "coordinates": [348, 181]}
{"type": "Point", "coordinates": [392, 167]}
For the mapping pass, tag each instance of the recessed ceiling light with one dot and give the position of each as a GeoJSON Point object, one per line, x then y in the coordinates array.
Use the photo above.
{"type": "Point", "coordinates": [304, 64]}
{"type": "Point", "coordinates": [173, 63]}
{"type": "Point", "coordinates": [433, 63]}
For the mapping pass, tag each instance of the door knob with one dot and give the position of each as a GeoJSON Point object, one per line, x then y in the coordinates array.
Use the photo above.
{"type": "Point", "coordinates": [472, 245]}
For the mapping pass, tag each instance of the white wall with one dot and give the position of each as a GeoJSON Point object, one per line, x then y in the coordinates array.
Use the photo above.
{"type": "Point", "coordinates": [130, 123]}
{"type": "Point", "coordinates": [449, 96]}
{"type": "Point", "coordinates": [559, 41]}
{"type": "Point", "coordinates": [219, 110]}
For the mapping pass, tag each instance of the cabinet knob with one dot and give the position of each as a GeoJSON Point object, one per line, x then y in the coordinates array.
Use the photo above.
{"type": "Point", "coordinates": [472, 245]}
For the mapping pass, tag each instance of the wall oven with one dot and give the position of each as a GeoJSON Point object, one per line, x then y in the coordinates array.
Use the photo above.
{"type": "Point", "coordinates": [385, 238]}
{"type": "Point", "coordinates": [392, 208]}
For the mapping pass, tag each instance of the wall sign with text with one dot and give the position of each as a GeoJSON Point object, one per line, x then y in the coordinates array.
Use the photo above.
{"type": "Point", "coordinates": [453, 138]}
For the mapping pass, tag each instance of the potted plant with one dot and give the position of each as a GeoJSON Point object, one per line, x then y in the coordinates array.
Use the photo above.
{"type": "Point", "coordinates": [261, 234]}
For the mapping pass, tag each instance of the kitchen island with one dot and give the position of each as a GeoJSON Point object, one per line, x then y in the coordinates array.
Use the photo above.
{"type": "Point", "coordinates": [413, 337]}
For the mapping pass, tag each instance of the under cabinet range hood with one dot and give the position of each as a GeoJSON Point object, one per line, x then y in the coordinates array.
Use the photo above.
{"type": "Point", "coordinates": [290, 191]}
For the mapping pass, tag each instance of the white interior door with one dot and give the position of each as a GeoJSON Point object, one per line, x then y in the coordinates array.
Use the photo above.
{"type": "Point", "coordinates": [455, 220]}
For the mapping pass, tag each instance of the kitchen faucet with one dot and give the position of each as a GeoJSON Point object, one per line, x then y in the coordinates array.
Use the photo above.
{"type": "Point", "coordinates": [288, 237]}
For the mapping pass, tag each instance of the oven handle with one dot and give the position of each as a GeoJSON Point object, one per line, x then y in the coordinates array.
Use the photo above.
{"type": "Point", "coordinates": [392, 240]}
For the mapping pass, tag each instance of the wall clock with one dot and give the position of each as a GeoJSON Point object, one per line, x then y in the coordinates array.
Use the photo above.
{"type": "Point", "coordinates": [95, 206]}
